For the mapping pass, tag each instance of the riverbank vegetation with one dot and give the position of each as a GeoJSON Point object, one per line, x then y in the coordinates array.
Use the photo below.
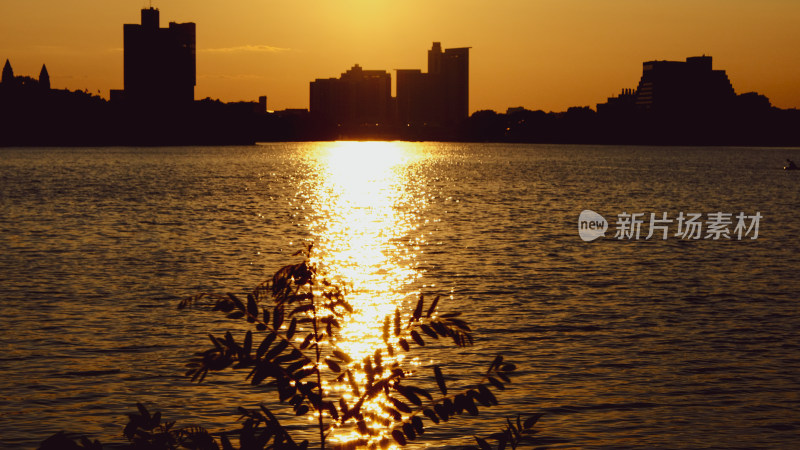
{"type": "Point", "coordinates": [292, 348]}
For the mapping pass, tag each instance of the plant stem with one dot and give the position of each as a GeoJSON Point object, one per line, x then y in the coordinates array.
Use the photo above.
{"type": "Point", "coordinates": [321, 424]}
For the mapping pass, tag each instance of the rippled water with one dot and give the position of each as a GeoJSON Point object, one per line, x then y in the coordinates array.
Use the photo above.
{"type": "Point", "coordinates": [622, 344]}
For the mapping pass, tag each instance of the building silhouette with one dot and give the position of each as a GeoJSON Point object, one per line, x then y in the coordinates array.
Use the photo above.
{"type": "Point", "coordinates": [8, 74]}
{"type": "Point", "coordinates": [439, 97]}
{"type": "Point", "coordinates": [450, 72]}
{"type": "Point", "coordinates": [414, 93]}
{"type": "Point", "coordinates": [34, 114]}
{"type": "Point", "coordinates": [15, 84]}
{"type": "Point", "coordinates": [623, 104]}
{"type": "Point", "coordinates": [357, 98]}
{"type": "Point", "coordinates": [670, 88]}
{"type": "Point", "coordinates": [689, 102]}
{"type": "Point", "coordinates": [159, 63]}
{"type": "Point", "coordinates": [44, 78]}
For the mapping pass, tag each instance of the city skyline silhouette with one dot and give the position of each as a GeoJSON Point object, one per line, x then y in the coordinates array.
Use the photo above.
{"type": "Point", "coordinates": [536, 55]}
{"type": "Point", "coordinates": [675, 102]}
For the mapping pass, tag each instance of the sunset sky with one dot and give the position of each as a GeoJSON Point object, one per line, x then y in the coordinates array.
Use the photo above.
{"type": "Point", "coordinates": [540, 54]}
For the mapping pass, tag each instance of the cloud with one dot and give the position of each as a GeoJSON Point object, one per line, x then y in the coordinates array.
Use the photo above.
{"type": "Point", "coordinates": [245, 48]}
{"type": "Point", "coordinates": [244, 76]}
{"type": "Point", "coordinates": [70, 50]}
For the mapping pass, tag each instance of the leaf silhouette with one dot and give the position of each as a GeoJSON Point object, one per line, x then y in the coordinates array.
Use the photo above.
{"type": "Point", "coordinates": [385, 333]}
{"type": "Point", "coordinates": [262, 348]}
{"type": "Point", "coordinates": [252, 308]}
{"type": "Point", "coordinates": [432, 308]}
{"type": "Point", "coordinates": [442, 411]}
{"type": "Point", "coordinates": [399, 437]}
{"type": "Point", "coordinates": [418, 426]}
{"type": "Point", "coordinates": [237, 302]}
{"type": "Point", "coordinates": [437, 372]}
{"type": "Point", "coordinates": [531, 421]}
{"type": "Point", "coordinates": [408, 430]}
{"type": "Point", "coordinates": [418, 309]}
{"type": "Point", "coordinates": [404, 344]}
{"type": "Point", "coordinates": [276, 350]}
{"type": "Point", "coordinates": [353, 384]}
{"type": "Point", "coordinates": [248, 344]}
{"type": "Point", "coordinates": [429, 331]}
{"type": "Point", "coordinates": [400, 405]}
{"type": "Point", "coordinates": [277, 317]}
{"type": "Point", "coordinates": [397, 322]}
{"type": "Point", "coordinates": [342, 356]}
{"type": "Point", "coordinates": [236, 315]}
{"type": "Point", "coordinates": [333, 365]}
{"type": "Point", "coordinates": [307, 341]}
{"type": "Point", "coordinates": [292, 328]}
{"type": "Point", "coordinates": [417, 338]}
{"type": "Point", "coordinates": [483, 444]}
{"type": "Point", "coordinates": [407, 393]}
{"type": "Point", "coordinates": [430, 414]}
{"type": "Point", "coordinates": [496, 383]}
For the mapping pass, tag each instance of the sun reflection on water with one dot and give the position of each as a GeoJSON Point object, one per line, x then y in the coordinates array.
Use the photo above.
{"type": "Point", "coordinates": [363, 219]}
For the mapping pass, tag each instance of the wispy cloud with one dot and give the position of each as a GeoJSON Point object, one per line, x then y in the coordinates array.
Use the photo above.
{"type": "Point", "coordinates": [243, 76]}
{"type": "Point", "coordinates": [246, 48]}
{"type": "Point", "coordinates": [70, 50]}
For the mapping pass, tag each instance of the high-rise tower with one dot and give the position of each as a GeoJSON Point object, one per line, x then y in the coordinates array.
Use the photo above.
{"type": "Point", "coordinates": [159, 63]}
{"type": "Point", "coordinates": [455, 84]}
{"type": "Point", "coordinates": [439, 97]}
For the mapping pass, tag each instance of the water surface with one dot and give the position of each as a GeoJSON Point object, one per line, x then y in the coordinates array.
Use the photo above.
{"type": "Point", "coordinates": [622, 343]}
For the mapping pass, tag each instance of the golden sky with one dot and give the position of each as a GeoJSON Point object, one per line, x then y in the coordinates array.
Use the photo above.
{"type": "Point", "coordinates": [540, 54]}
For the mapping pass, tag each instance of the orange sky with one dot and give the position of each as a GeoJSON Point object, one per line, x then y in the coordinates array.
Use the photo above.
{"type": "Point", "coordinates": [540, 54]}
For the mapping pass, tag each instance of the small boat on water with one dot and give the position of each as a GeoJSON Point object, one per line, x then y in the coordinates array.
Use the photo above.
{"type": "Point", "coordinates": [790, 165]}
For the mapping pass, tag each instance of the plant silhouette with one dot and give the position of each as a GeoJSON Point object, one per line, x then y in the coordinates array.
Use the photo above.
{"type": "Point", "coordinates": [292, 347]}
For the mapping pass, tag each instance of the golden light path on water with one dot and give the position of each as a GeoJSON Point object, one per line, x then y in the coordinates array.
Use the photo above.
{"type": "Point", "coordinates": [363, 220]}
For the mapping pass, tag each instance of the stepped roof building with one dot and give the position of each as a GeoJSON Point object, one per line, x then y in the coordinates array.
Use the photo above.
{"type": "Point", "coordinates": [673, 87]}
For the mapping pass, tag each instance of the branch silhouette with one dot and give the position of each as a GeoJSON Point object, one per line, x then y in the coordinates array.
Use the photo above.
{"type": "Point", "coordinates": [299, 301]}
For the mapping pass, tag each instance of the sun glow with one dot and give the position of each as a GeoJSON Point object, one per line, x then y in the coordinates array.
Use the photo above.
{"type": "Point", "coordinates": [363, 216]}
{"type": "Point", "coordinates": [362, 219]}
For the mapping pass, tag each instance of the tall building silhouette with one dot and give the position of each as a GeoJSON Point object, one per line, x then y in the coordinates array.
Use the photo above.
{"type": "Point", "coordinates": [436, 99]}
{"type": "Point", "coordinates": [415, 91]}
{"type": "Point", "coordinates": [357, 98]}
{"type": "Point", "coordinates": [439, 97]}
{"type": "Point", "coordinates": [159, 63]}
{"type": "Point", "coordinates": [451, 68]}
